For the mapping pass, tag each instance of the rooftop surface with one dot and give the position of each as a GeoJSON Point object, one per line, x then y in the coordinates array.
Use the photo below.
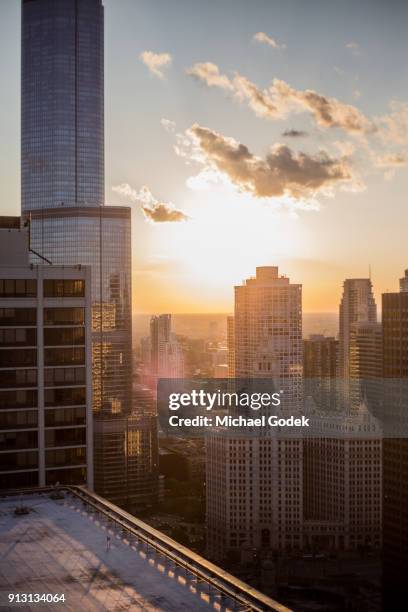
{"type": "Point", "coordinates": [61, 546]}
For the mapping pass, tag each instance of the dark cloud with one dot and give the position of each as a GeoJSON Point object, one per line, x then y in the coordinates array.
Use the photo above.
{"type": "Point", "coordinates": [163, 213]}
{"type": "Point", "coordinates": [294, 134]}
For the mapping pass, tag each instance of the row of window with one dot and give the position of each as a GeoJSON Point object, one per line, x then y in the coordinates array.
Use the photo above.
{"type": "Point", "coordinates": [24, 419]}
{"type": "Point", "coordinates": [18, 337]}
{"type": "Point", "coordinates": [53, 458]}
{"type": "Point", "coordinates": [51, 288]}
{"type": "Point", "coordinates": [18, 288]}
{"type": "Point", "coordinates": [30, 479]}
{"type": "Point", "coordinates": [64, 288]}
{"type": "Point", "coordinates": [52, 316]}
{"type": "Point", "coordinates": [17, 378]}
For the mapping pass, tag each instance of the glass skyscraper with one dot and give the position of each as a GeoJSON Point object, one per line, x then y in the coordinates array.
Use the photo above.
{"type": "Point", "coordinates": [62, 104]}
{"type": "Point", "coordinates": [62, 148]}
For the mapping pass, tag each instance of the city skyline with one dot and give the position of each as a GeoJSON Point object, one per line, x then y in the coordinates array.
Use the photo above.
{"type": "Point", "coordinates": [159, 85]}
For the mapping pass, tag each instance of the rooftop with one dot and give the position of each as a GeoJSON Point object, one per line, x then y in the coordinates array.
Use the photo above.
{"type": "Point", "coordinates": [99, 557]}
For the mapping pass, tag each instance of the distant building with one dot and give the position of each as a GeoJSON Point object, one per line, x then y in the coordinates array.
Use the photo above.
{"type": "Point", "coordinates": [231, 346]}
{"type": "Point", "coordinates": [167, 358]}
{"type": "Point", "coordinates": [357, 306]}
{"type": "Point", "coordinates": [366, 364]}
{"type": "Point", "coordinates": [254, 483]}
{"type": "Point", "coordinates": [45, 369]}
{"type": "Point", "coordinates": [320, 365]}
{"type": "Point", "coordinates": [404, 282]}
{"type": "Point", "coordinates": [160, 330]}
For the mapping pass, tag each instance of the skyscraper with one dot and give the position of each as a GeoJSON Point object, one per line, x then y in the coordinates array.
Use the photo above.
{"type": "Point", "coordinates": [320, 361]}
{"type": "Point", "coordinates": [62, 103]}
{"type": "Point", "coordinates": [166, 354]}
{"type": "Point", "coordinates": [62, 176]}
{"type": "Point", "coordinates": [357, 306]}
{"type": "Point", "coordinates": [254, 483]}
{"type": "Point", "coordinates": [231, 346]}
{"type": "Point", "coordinates": [395, 445]}
{"type": "Point", "coordinates": [268, 332]}
{"type": "Point", "coordinates": [366, 364]}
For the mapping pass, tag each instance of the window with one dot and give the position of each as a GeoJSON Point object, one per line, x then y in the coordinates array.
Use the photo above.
{"type": "Point", "coordinates": [19, 461]}
{"type": "Point", "coordinates": [65, 397]}
{"type": "Point", "coordinates": [18, 337]}
{"type": "Point", "coordinates": [65, 416]}
{"type": "Point", "coordinates": [65, 437]}
{"type": "Point", "coordinates": [64, 288]}
{"type": "Point", "coordinates": [72, 476]}
{"type": "Point", "coordinates": [21, 439]}
{"type": "Point", "coordinates": [64, 376]}
{"type": "Point", "coordinates": [17, 358]}
{"type": "Point", "coordinates": [64, 316]}
{"type": "Point", "coordinates": [15, 481]}
{"type": "Point", "coordinates": [64, 356]}
{"type": "Point", "coordinates": [67, 456]}
{"type": "Point", "coordinates": [18, 378]}
{"type": "Point", "coordinates": [17, 419]}
{"type": "Point", "coordinates": [18, 288]}
{"type": "Point", "coordinates": [18, 316]}
{"type": "Point", "coordinates": [64, 335]}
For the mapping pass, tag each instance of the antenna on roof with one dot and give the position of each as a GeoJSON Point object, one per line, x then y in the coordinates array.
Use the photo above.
{"type": "Point", "coordinates": [27, 223]}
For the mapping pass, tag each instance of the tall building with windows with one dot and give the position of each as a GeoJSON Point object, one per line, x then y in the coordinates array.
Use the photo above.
{"type": "Point", "coordinates": [357, 306]}
{"type": "Point", "coordinates": [62, 104]}
{"type": "Point", "coordinates": [160, 334]}
{"type": "Point", "coordinates": [45, 369]}
{"type": "Point", "coordinates": [366, 365]}
{"type": "Point", "coordinates": [166, 353]}
{"type": "Point", "coordinates": [62, 178]}
{"type": "Point", "coordinates": [254, 482]}
{"type": "Point", "coordinates": [342, 483]}
{"type": "Point", "coordinates": [231, 346]}
{"type": "Point", "coordinates": [320, 362]}
{"type": "Point", "coordinates": [395, 445]}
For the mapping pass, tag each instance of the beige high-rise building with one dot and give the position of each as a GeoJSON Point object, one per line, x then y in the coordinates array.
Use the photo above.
{"type": "Point", "coordinates": [343, 482]}
{"type": "Point", "coordinates": [254, 483]}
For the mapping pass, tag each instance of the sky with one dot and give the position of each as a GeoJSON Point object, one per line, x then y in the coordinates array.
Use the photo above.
{"type": "Point", "coordinates": [246, 134]}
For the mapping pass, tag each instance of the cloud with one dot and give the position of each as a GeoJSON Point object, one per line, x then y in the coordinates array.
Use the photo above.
{"type": "Point", "coordinates": [328, 112]}
{"type": "Point", "coordinates": [280, 99]}
{"type": "Point", "coordinates": [209, 73]}
{"type": "Point", "coordinates": [294, 133]}
{"type": "Point", "coordinates": [260, 101]}
{"type": "Point", "coordinates": [261, 37]}
{"type": "Point", "coordinates": [281, 173]}
{"type": "Point", "coordinates": [169, 126]}
{"type": "Point", "coordinates": [390, 160]}
{"type": "Point", "coordinates": [163, 213]}
{"type": "Point", "coordinates": [156, 62]}
{"type": "Point", "coordinates": [393, 127]}
{"type": "Point", "coordinates": [353, 47]}
{"type": "Point", "coordinates": [155, 211]}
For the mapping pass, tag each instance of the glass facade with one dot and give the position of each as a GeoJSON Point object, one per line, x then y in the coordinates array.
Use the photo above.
{"type": "Point", "coordinates": [62, 103]}
{"type": "Point", "coordinates": [99, 237]}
